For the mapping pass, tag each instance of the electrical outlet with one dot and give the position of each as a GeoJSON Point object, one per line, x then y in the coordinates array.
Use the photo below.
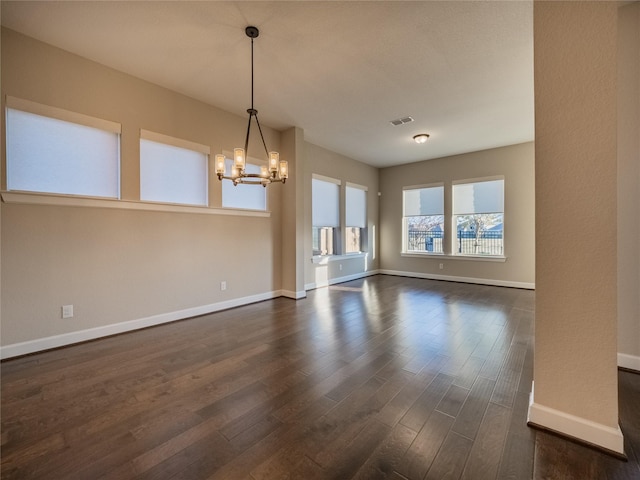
{"type": "Point", "coordinates": [340, 267]}
{"type": "Point", "coordinates": [67, 311]}
{"type": "Point", "coordinates": [223, 285]}
{"type": "Point", "coordinates": [441, 266]}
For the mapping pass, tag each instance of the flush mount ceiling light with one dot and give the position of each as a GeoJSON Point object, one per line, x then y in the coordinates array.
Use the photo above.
{"type": "Point", "coordinates": [276, 171]}
{"type": "Point", "coordinates": [421, 137]}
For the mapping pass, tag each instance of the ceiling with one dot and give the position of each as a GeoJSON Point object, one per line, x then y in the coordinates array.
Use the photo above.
{"type": "Point", "coordinates": [340, 70]}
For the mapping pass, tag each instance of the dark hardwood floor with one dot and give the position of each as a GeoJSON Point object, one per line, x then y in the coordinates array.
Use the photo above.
{"type": "Point", "coordinates": [384, 377]}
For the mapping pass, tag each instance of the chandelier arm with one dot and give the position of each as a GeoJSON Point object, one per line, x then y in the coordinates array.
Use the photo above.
{"type": "Point", "coordinates": [264, 144]}
{"type": "Point", "coordinates": [246, 139]}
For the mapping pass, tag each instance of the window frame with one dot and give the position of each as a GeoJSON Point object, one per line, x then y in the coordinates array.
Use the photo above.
{"type": "Point", "coordinates": [405, 219]}
{"type": "Point", "coordinates": [361, 229]}
{"type": "Point", "coordinates": [456, 239]}
{"type": "Point", "coordinates": [331, 232]}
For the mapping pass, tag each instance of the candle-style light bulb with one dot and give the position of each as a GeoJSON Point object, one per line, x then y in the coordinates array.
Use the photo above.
{"type": "Point", "coordinates": [238, 159]}
{"type": "Point", "coordinates": [274, 159]}
{"type": "Point", "coordinates": [220, 164]}
{"type": "Point", "coordinates": [284, 169]}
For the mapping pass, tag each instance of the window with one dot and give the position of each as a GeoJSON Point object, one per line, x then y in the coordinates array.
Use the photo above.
{"type": "Point", "coordinates": [478, 213]}
{"type": "Point", "coordinates": [356, 218]}
{"type": "Point", "coordinates": [172, 170]}
{"type": "Point", "coordinates": [51, 150]}
{"type": "Point", "coordinates": [325, 198]}
{"type": "Point", "coordinates": [253, 197]}
{"type": "Point", "coordinates": [423, 221]}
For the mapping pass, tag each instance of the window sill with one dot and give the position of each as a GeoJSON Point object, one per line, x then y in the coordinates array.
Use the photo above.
{"type": "Point", "coordinates": [477, 258]}
{"type": "Point", "coordinates": [325, 259]}
{"type": "Point", "coordinates": [30, 198]}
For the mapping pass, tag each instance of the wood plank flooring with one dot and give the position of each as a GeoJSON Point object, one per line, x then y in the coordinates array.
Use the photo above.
{"type": "Point", "coordinates": [379, 378]}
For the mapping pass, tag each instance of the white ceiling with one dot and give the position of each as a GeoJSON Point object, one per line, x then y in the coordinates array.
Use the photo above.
{"type": "Point", "coordinates": [341, 70]}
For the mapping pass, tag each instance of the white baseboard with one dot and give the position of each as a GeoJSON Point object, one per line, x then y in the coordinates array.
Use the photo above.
{"type": "Point", "coordinates": [31, 346]}
{"type": "Point", "coordinates": [578, 428]}
{"type": "Point", "coordinates": [295, 295]}
{"type": "Point", "coordinates": [346, 278]}
{"type": "Point", "coordinates": [632, 362]}
{"type": "Point", "coordinates": [451, 278]}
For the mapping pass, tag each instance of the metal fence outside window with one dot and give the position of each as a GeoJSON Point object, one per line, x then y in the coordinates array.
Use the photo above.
{"type": "Point", "coordinates": [488, 242]}
{"type": "Point", "coordinates": [425, 241]}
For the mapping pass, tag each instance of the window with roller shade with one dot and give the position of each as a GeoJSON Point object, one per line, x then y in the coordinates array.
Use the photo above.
{"type": "Point", "coordinates": [478, 217]}
{"type": "Point", "coordinates": [173, 170]}
{"type": "Point", "coordinates": [325, 205]}
{"type": "Point", "coordinates": [355, 218]}
{"type": "Point", "coordinates": [51, 150]}
{"type": "Point", "coordinates": [423, 219]}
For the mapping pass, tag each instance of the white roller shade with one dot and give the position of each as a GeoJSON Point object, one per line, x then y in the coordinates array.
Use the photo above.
{"type": "Point", "coordinates": [424, 201]}
{"type": "Point", "coordinates": [172, 174]}
{"type": "Point", "coordinates": [356, 207]}
{"type": "Point", "coordinates": [56, 156]}
{"type": "Point", "coordinates": [325, 198]}
{"type": "Point", "coordinates": [478, 197]}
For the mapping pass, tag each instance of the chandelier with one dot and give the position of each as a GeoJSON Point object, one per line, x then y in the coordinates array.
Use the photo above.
{"type": "Point", "coordinates": [276, 171]}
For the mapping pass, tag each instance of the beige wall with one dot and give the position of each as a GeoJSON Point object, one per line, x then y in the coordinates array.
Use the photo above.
{"type": "Point", "coordinates": [516, 164]}
{"type": "Point", "coordinates": [576, 275]}
{"type": "Point", "coordinates": [117, 265]}
{"type": "Point", "coordinates": [292, 208]}
{"type": "Point", "coordinates": [629, 186]}
{"type": "Point", "coordinates": [120, 265]}
{"type": "Point", "coordinates": [329, 164]}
